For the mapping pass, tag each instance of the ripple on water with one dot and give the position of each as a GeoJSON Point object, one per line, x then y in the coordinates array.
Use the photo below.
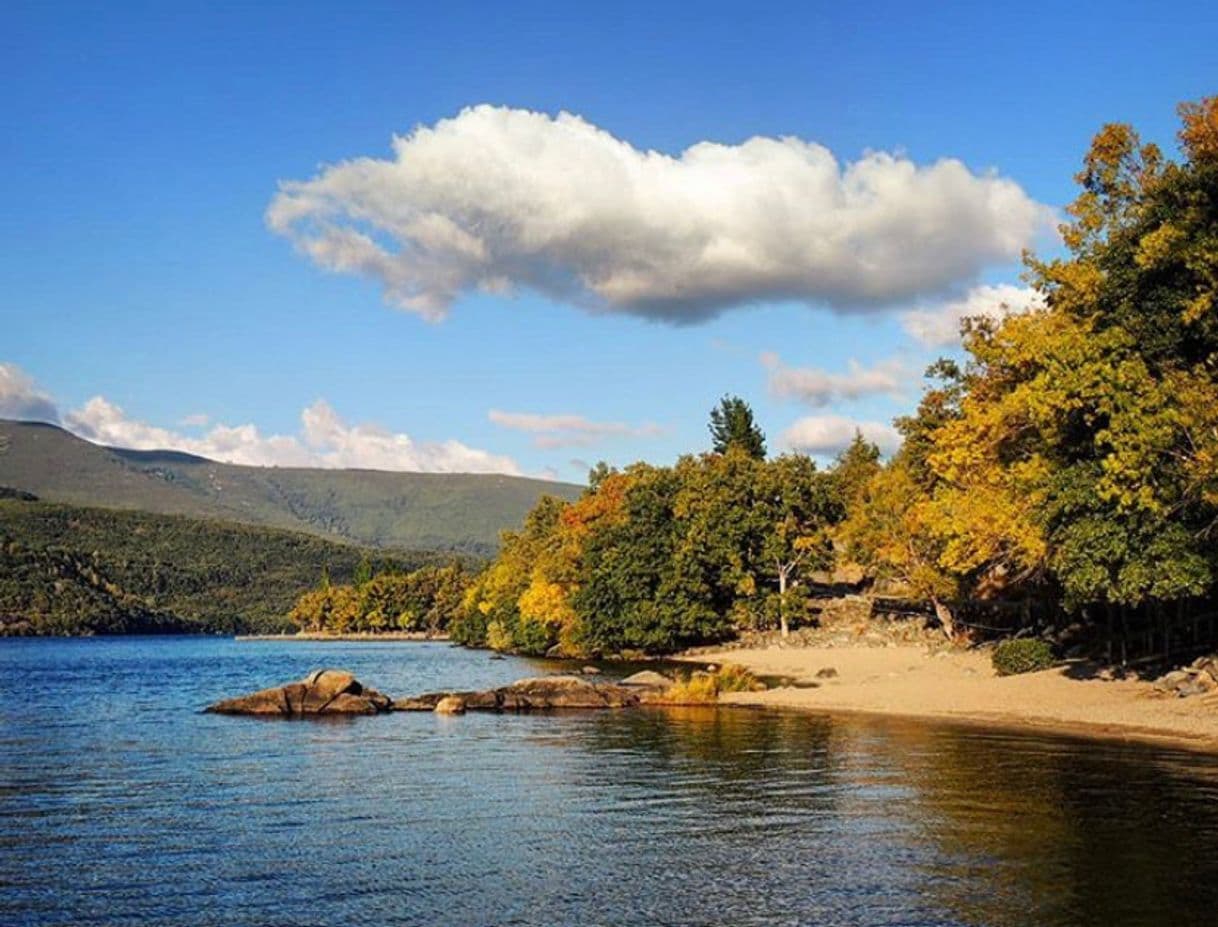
{"type": "Point", "coordinates": [121, 804]}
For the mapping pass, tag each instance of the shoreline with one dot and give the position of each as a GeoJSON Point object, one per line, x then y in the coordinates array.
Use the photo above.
{"type": "Point", "coordinates": [367, 638]}
{"type": "Point", "coordinates": [961, 688]}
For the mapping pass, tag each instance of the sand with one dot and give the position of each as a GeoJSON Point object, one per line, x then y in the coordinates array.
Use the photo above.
{"type": "Point", "coordinates": [909, 681]}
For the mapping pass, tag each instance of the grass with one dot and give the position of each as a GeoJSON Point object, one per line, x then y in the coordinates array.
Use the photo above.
{"type": "Point", "coordinates": [702, 688]}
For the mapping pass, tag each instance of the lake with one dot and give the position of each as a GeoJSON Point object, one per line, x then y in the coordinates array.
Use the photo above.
{"type": "Point", "coordinates": [122, 804]}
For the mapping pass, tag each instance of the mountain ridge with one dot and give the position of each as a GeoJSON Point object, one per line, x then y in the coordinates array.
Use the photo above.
{"type": "Point", "coordinates": [377, 508]}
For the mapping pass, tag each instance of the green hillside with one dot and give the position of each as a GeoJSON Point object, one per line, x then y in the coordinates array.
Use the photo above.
{"type": "Point", "coordinates": [377, 508]}
{"type": "Point", "coordinates": [72, 570]}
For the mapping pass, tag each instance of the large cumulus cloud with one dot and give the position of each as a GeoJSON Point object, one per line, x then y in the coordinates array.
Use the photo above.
{"type": "Point", "coordinates": [499, 199]}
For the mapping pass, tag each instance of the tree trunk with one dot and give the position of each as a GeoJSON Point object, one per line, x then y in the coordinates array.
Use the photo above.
{"type": "Point", "coordinates": [944, 614]}
{"type": "Point", "coordinates": [782, 602]}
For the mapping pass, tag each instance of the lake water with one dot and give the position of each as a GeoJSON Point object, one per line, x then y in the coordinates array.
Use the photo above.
{"type": "Point", "coordinates": [121, 804]}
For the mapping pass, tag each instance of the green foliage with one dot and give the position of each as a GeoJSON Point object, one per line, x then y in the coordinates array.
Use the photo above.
{"type": "Point", "coordinates": [655, 559]}
{"type": "Point", "coordinates": [1023, 655]}
{"type": "Point", "coordinates": [442, 511]}
{"type": "Point", "coordinates": [421, 600]}
{"type": "Point", "coordinates": [69, 570]}
{"type": "Point", "coordinates": [732, 425]}
{"type": "Point", "coordinates": [1075, 453]}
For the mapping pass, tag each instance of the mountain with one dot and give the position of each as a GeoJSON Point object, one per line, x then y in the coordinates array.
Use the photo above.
{"type": "Point", "coordinates": [74, 570]}
{"type": "Point", "coordinates": [451, 511]}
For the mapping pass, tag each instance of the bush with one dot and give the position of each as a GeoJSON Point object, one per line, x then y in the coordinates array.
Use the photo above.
{"type": "Point", "coordinates": [1025, 655]}
{"type": "Point", "coordinates": [734, 678]}
{"type": "Point", "coordinates": [696, 690]}
{"type": "Point", "coordinates": [702, 688]}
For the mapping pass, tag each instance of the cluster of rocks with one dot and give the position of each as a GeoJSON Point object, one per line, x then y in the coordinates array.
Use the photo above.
{"type": "Point", "coordinates": [1198, 678]}
{"type": "Point", "coordinates": [543, 693]}
{"type": "Point", "coordinates": [333, 692]}
{"type": "Point", "coordinates": [322, 692]}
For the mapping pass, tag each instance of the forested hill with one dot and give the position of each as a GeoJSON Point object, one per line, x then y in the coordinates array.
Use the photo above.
{"type": "Point", "coordinates": [383, 509]}
{"type": "Point", "coordinates": [72, 570]}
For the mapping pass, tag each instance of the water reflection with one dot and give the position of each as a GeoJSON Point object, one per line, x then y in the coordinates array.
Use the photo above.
{"type": "Point", "coordinates": [122, 804]}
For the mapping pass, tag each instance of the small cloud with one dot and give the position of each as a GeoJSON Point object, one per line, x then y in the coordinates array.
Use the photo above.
{"type": "Point", "coordinates": [21, 399]}
{"type": "Point", "coordinates": [554, 431]}
{"type": "Point", "coordinates": [828, 435]}
{"type": "Point", "coordinates": [819, 388]}
{"type": "Point", "coordinates": [198, 420]}
{"type": "Point", "coordinates": [939, 326]}
{"type": "Point", "coordinates": [499, 200]}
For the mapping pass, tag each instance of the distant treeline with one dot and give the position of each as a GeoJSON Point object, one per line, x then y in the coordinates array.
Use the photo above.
{"type": "Point", "coordinates": [426, 599]}
{"type": "Point", "coordinates": [72, 570]}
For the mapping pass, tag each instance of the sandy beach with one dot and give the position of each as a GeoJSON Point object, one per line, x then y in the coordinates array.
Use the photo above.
{"type": "Point", "coordinates": [910, 681]}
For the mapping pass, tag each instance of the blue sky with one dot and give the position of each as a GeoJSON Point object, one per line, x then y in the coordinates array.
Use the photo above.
{"type": "Point", "coordinates": [143, 144]}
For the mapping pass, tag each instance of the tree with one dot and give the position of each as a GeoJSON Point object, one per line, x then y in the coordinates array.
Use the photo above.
{"type": "Point", "coordinates": [890, 534]}
{"type": "Point", "coordinates": [732, 425]}
{"type": "Point", "coordinates": [799, 506]}
{"type": "Point", "coordinates": [363, 573]}
{"type": "Point", "coordinates": [853, 469]}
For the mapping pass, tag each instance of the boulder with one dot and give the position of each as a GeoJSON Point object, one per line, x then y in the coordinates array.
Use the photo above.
{"type": "Point", "coordinates": [591, 671]}
{"type": "Point", "coordinates": [450, 705]}
{"type": "Point", "coordinates": [1169, 682]}
{"type": "Point", "coordinates": [648, 679]}
{"type": "Point", "coordinates": [322, 692]}
{"type": "Point", "coordinates": [827, 673]}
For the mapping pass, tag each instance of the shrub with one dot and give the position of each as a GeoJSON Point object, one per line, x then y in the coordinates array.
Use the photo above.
{"type": "Point", "coordinates": [734, 678]}
{"type": "Point", "coordinates": [695, 690]}
{"type": "Point", "coordinates": [702, 688]}
{"type": "Point", "coordinates": [1025, 655]}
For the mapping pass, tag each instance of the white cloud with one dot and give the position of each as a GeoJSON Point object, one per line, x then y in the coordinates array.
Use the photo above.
{"type": "Point", "coordinates": [551, 431]}
{"type": "Point", "coordinates": [828, 435]}
{"type": "Point", "coordinates": [821, 388]}
{"type": "Point", "coordinates": [496, 199]}
{"type": "Point", "coordinates": [326, 440]}
{"type": "Point", "coordinates": [20, 397]}
{"type": "Point", "coordinates": [940, 326]}
{"type": "Point", "coordinates": [196, 420]}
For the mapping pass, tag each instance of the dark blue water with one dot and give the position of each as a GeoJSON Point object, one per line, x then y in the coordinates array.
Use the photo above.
{"type": "Point", "coordinates": [121, 804]}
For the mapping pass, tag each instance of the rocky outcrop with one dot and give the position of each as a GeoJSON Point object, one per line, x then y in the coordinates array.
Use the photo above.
{"type": "Point", "coordinates": [322, 692]}
{"type": "Point", "coordinates": [539, 694]}
{"type": "Point", "coordinates": [1199, 678]}
{"type": "Point", "coordinates": [333, 692]}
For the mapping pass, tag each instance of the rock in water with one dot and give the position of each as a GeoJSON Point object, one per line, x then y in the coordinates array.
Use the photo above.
{"type": "Point", "coordinates": [322, 692]}
{"type": "Point", "coordinates": [540, 694]}
{"type": "Point", "coordinates": [450, 705]}
{"type": "Point", "coordinates": [648, 679]}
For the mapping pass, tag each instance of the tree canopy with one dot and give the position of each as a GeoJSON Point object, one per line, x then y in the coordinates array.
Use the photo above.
{"type": "Point", "coordinates": [732, 425]}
